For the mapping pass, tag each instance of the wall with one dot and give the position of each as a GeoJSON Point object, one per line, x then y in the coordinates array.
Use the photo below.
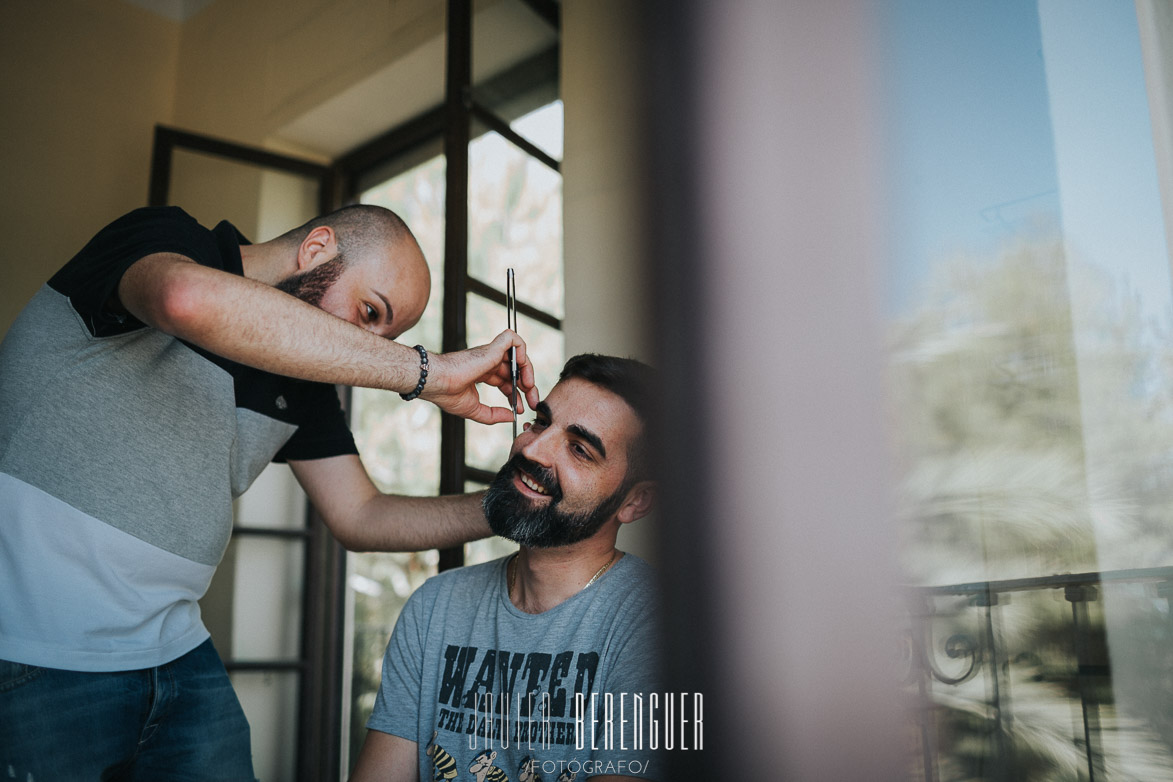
{"type": "Point", "coordinates": [274, 62]}
{"type": "Point", "coordinates": [84, 83]}
{"type": "Point", "coordinates": [606, 290]}
{"type": "Point", "coordinates": [601, 190]}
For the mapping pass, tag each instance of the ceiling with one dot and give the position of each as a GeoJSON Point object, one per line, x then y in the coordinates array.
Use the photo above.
{"type": "Point", "coordinates": [176, 10]}
{"type": "Point", "coordinates": [505, 32]}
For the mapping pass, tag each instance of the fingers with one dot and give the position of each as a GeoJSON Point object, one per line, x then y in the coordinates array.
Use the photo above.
{"type": "Point", "coordinates": [525, 370]}
{"type": "Point", "coordinates": [508, 392]}
{"type": "Point", "coordinates": [484, 414]}
{"type": "Point", "coordinates": [493, 361]}
{"type": "Point", "coordinates": [531, 395]}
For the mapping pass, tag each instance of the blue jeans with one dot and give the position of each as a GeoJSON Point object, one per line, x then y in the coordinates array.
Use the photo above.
{"type": "Point", "coordinates": [180, 721]}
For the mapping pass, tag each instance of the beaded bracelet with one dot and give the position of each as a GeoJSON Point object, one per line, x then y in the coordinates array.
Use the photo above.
{"type": "Point", "coordinates": [423, 375]}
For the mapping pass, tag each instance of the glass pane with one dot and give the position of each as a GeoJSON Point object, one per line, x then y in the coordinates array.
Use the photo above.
{"type": "Point", "coordinates": [260, 202]}
{"type": "Point", "coordinates": [274, 500]}
{"type": "Point", "coordinates": [487, 447]}
{"type": "Point", "coordinates": [488, 549]}
{"type": "Point", "coordinates": [515, 220]}
{"type": "Point", "coordinates": [270, 701]}
{"type": "Point", "coordinates": [543, 128]}
{"type": "Point", "coordinates": [268, 586]}
{"type": "Point", "coordinates": [417, 196]}
{"type": "Point", "coordinates": [380, 585]}
{"type": "Point", "coordinates": [515, 64]}
{"type": "Point", "coordinates": [1032, 388]}
{"type": "Point", "coordinates": [399, 443]}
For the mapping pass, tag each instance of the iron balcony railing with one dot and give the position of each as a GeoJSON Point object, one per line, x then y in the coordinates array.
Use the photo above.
{"type": "Point", "coordinates": [1065, 677]}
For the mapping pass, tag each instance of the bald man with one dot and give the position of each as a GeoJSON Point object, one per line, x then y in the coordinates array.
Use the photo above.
{"type": "Point", "coordinates": [144, 387]}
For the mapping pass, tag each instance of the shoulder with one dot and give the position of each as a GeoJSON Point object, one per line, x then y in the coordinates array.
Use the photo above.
{"type": "Point", "coordinates": [469, 576]}
{"type": "Point", "coordinates": [144, 231]}
{"type": "Point", "coordinates": [461, 583]}
{"type": "Point", "coordinates": [91, 278]}
{"type": "Point", "coordinates": [157, 213]}
{"type": "Point", "coordinates": [628, 600]}
{"type": "Point", "coordinates": [637, 567]}
{"type": "Point", "coordinates": [154, 218]}
{"type": "Point", "coordinates": [635, 578]}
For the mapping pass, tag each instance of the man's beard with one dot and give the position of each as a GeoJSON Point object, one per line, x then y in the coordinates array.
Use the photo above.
{"type": "Point", "coordinates": [311, 285]}
{"type": "Point", "coordinates": [512, 515]}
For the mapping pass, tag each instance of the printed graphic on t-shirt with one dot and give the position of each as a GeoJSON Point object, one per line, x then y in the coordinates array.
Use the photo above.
{"type": "Point", "coordinates": [515, 697]}
{"type": "Point", "coordinates": [509, 715]}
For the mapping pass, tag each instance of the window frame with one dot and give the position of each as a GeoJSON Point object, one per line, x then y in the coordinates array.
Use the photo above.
{"type": "Point", "coordinates": [468, 112]}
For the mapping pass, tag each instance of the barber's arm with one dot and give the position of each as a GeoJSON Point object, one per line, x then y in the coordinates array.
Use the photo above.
{"type": "Point", "coordinates": [257, 325]}
{"type": "Point", "coordinates": [386, 758]}
{"type": "Point", "coordinates": [364, 519]}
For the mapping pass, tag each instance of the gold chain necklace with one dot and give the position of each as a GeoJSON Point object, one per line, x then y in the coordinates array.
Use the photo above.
{"type": "Point", "coordinates": [513, 571]}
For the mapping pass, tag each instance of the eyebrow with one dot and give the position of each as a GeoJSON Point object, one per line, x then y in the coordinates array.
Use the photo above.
{"type": "Point", "coordinates": [387, 304]}
{"type": "Point", "coordinates": [577, 430]}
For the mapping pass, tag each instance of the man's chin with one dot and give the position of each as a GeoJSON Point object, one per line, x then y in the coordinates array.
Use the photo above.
{"type": "Point", "coordinates": [520, 526]}
{"type": "Point", "coordinates": [534, 504]}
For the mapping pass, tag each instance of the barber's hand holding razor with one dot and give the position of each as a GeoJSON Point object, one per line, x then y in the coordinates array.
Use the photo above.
{"type": "Point", "coordinates": [452, 379]}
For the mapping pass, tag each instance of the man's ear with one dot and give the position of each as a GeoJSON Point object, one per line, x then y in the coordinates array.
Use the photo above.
{"type": "Point", "coordinates": [319, 246]}
{"type": "Point", "coordinates": [639, 502]}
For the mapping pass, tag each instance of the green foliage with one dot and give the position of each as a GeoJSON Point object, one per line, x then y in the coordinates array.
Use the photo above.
{"type": "Point", "coordinates": [1031, 397]}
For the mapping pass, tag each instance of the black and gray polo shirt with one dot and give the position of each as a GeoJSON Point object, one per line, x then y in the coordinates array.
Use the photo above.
{"type": "Point", "coordinates": [121, 450]}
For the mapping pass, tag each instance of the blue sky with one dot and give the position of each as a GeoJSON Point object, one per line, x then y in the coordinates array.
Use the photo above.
{"type": "Point", "coordinates": [1003, 111]}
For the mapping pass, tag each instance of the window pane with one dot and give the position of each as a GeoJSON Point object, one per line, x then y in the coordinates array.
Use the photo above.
{"type": "Point", "coordinates": [488, 549]}
{"type": "Point", "coordinates": [515, 219]}
{"type": "Point", "coordinates": [1030, 314]}
{"type": "Point", "coordinates": [379, 585]}
{"type": "Point", "coordinates": [417, 196]}
{"type": "Point", "coordinates": [270, 701]}
{"type": "Point", "coordinates": [515, 63]}
{"type": "Point", "coordinates": [399, 443]}
{"type": "Point", "coordinates": [268, 585]}
{"type": "Point", "coordinates": [487, 447]}
{"type": "Point", "coordinates": [543, 128]}
{"type": "Point", "coordinates": [260, 202]}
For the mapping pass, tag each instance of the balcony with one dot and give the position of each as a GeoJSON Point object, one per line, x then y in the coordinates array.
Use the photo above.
{"type": "Point", "coordinates": [1064, 677]}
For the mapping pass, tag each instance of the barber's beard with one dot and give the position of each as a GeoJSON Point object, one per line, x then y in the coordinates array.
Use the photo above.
{"type": "Point", "coordinates": [514, 516]}
{"type": "Point", "coordinates": [310, 286]}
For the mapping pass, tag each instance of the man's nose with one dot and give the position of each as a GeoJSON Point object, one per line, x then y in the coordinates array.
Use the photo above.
{"type": "Point", "coordinates": [539, 447]}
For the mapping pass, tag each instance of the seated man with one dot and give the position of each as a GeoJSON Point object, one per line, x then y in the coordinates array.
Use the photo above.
{"type": "Point", "coordinates": [540, 665]}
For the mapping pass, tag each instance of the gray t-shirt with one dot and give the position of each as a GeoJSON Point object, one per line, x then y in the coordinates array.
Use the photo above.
{"type": "Point", "coordinates": [492, 693]}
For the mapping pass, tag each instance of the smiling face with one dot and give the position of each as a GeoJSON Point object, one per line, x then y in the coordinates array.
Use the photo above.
{"type": "Point", "coordinates": [567, 475]}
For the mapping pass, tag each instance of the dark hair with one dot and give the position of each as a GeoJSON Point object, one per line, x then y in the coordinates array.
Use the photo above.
{"type": "Point", "coordinates": [359, 229]}
{"type": "Point", "coordinates": [633, 382]}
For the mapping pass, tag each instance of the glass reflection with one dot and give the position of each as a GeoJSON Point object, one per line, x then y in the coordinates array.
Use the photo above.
{"type": "Point", "coordinates": [1030, 381]}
